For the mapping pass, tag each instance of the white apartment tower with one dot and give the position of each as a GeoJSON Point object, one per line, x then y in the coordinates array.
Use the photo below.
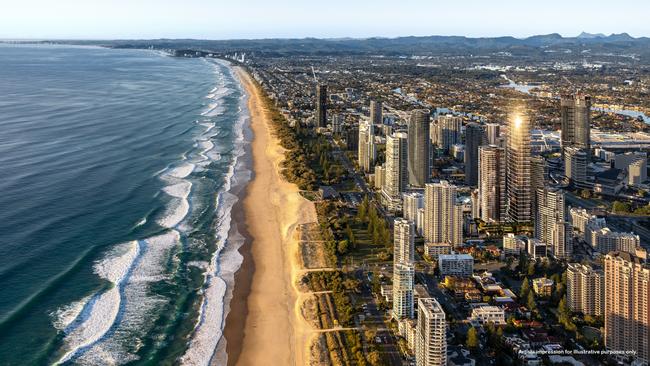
{"type": "Point", "coordinates": [396, 173]}
{"type": "Point", "coordinates": [403, 274]}
{"type": "Point", "coordinates": [443, 218]}
{"type": "Point", "coordinates": [413, 201]}
{"type": "Point", "coordinates": [431, 339]}
{"type": "Point", "coordinates": [367, 151]}
{"type": "Point", "coordinates": [404, 238]}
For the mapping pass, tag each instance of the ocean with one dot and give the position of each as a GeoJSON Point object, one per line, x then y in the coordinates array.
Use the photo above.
{"type": "Point", "coordinates": [118, 172]}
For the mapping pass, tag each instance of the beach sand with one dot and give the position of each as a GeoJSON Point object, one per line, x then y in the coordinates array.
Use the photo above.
{"type": "Point", "coordinates": [264, 326]}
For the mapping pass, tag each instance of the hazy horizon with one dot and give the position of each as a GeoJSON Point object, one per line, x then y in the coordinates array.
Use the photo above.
{"type": "Point", "coordinates": [256, 19]}
{"type": "Point", "coordinates": [322, 38]}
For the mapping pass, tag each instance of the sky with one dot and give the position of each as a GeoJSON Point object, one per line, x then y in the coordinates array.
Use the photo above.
{"type": "Point", "coordinates": [240, 19]}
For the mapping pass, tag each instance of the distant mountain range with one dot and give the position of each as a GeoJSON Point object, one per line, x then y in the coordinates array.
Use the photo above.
{"type": "Point", "coordinates": [614, 43]}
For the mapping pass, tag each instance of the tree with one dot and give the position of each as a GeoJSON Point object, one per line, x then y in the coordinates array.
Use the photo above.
{"type": "Point", "coordinates": [531, 268]}
{"type": "Point", "coordinates": [523, 262]}
{"type": "Point", "coordinates": [525, 289]}
{"type": "Point", "coordinates": [472, 339]}
{"type": "Point", "coordinates": [351, 238]}
{"type": "Point", "coordinates": [621, 207]}
{"type": "Point", "coordinates": [363, 209]}
{"type": "Point", "coordinates": [374, 358]}
{"type": "Point", "coordinates": [342, 247]}
{"type": "Point", "coordinates": [564, 314]}
{"type": "Point", "coordinates": [531, 301]}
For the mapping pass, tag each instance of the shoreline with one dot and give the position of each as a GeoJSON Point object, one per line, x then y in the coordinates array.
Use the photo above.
{"type": "Point", "coordinates": [233, 332]}
{"type": "Point", "coordinates": [264, 325]}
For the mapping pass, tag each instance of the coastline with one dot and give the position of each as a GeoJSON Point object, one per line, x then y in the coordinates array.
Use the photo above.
{"type": "Point", "coordinates": [264, 325]}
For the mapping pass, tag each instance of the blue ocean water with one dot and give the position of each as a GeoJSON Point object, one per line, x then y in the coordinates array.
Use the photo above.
{"type": "Point", "coordinates": [117, 171]}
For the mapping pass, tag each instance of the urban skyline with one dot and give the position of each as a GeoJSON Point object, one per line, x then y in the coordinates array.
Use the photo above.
{"type": "Point", "coordinates": [411, 201]}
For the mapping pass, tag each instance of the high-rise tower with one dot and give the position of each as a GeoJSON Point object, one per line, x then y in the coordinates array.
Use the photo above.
{"type": "Point", "coordinates": [474, 137]}
{"type": "Point", "coordinates": [367, 151]}
{"type": "Point", "coordinates": [376, 115]}
{"type": "Point", "coordinates": [396, 174]}
{"type": "Point", "coordinates": [419, 147]}
{"type": "Point", "coordinates": [443, 218]}
{"type": "Point", "coordinates": [430, 334]}
{"type": "Point", "coordinates": [447, 131]}
{"type": "Point", "coordinates": [627, 304]}
{"type": "Point", "coordinates": [492, 183]}
{"type": "Point", "coordinates": [404, 238]}
{"type": "Point", "coordinates": [575, 114]}
{"type": "Point", "coordinates": [518, 169]}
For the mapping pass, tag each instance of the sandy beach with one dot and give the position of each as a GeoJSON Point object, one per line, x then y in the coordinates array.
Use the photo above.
{"type": "Point", "coordinates": [264, 326]}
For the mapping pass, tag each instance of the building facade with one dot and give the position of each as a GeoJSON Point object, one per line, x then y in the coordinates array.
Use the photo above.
{"type": "Point", "coordinates": [457, 265]}
{"type": "Point", "coordinates": [367, 152]}
{"type": "Point", "coordinates": [627, 305]}
{"type": "Point", "coordinates": [575, 165]}
{"type": "Point", "coordinates": [403, 274]}
{"type": "Point", "coordinates": [518, 170]}
{"type": "Point", "coordinates": [419, 168]}
{"type": "Point", "coordinates": [488, 314]}
{"type": "Point", "coordinates": [403, 240]}
{"type": "Point", "coordinates": [492, 133]}
{"type": "Point", "coordinates": [447, 132]}
{"type": "Point", "coordinates": [376, 114]}
{"type": "Point", "coordinates": [443, 218]}
{"type": "Point", "coordinates": [575, 115]}
{"type": "Point", "coordinates": [431, 334]}
{"type": "Point", "coordinates": [413, 201]}
{"type": "Point", "coordinates": [474, 137]}
{"type": "Point", "coordinates": [585, 289]}
{"type": "Point", "coordinates": [550, 225]}
{"type": "Point", "coordinates": [492, 183]}
{"type": "Point", "coordinates": [396, 174]}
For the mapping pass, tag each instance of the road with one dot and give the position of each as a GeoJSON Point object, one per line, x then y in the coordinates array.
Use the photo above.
{"type": "Point", "coordinates": [443, 298]}
{"type": "Point", "coordinates": [375, 320]}
{"type": "Point", "coordinates": [358, 178]}
{"type": "Point", "coordinates": [579, 202]}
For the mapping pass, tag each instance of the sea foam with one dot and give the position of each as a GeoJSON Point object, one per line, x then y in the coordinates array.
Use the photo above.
{"type": "Point", "coordinates": [181, 171]}
{"type": "Point", "coordinates": [99, 313]}
{"type": "Point", "coordinates": [136, 306]}
{"type": "Point", "coordinates": [219, 278]}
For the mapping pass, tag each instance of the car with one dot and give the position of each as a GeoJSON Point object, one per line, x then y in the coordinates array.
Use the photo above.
{"type": "Point", "coordinates": [378, 339]}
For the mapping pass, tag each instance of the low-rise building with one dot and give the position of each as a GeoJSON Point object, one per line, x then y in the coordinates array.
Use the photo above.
{"type": "Point", "coordinates": [459, 356]}
{"type": "Point", "coordinates": [543, 286]}
{"type": "Point", "coordinates": [459, 265]}
{"type": "Point", "coordinates": [433, 250]}
{"type": "Point", "coordinates": [407, 329]}
{"type": "Point", "coordinates": [581, 219]}
{"type": "Point", "coordinates": [488, 314]}
{"type": "Point", "coordinates": [387, 292]}
{"type": "Point", "coordinates": [514, 244]}
{"type": "Point", "coordinates": [536, 248]}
